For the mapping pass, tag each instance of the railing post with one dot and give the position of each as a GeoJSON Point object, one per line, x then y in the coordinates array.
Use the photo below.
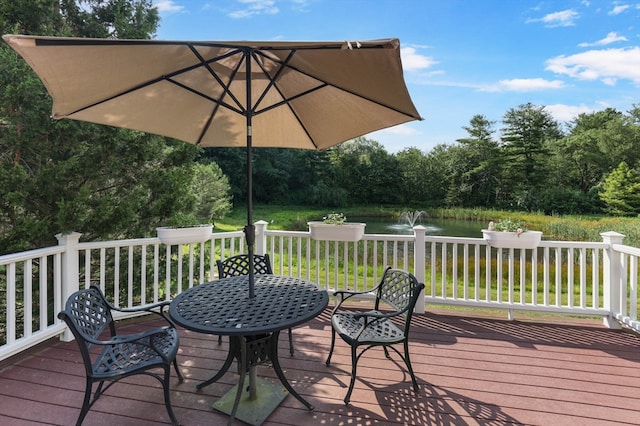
{"type": "Point", "coordinates": [70, 271]}
{"type": "Point", "coordinates": [419, 256]}
{"type": "Point", "coordinates": [261, 238]}
{"type": "Point", "coordinates": [612, 282]}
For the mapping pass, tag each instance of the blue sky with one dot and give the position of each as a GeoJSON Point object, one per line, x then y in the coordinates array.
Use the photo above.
{"type": "Point", "coordinates": [460, 57]}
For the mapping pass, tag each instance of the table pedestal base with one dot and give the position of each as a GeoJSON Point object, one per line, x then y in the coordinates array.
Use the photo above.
{"type": "Point", "coordinates": [253, 411]}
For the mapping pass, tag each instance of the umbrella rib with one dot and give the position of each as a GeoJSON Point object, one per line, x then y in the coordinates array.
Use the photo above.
{"type": "Point", "coordinates": [217, 102]}
{"type": "Point", "coordinates": [326, 83]}
{"type": "Point", "coordinates": [272, 80]}
{"type": "Point", "coordinates": [207, 65]}
{"type": "Point", "coordinates": [207, 97]}
{"type": "Point", "coordinates": [169, 78]}
{"type": "Point", "coordinates": [286, 101]}
{"type": "Point", "coordinates": [205, 128]}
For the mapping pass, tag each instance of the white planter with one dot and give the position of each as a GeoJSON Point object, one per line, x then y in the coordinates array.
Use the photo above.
{"type": "Point", "coordinates": [349, 231]}
{"type": "Point", "coordinates": [500, 239]}
{"type": "Point", "coordinates": [171, 235]}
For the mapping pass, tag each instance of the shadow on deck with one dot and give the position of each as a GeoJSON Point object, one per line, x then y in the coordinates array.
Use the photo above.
{"type": "Point", "coordinates": [472, 367]}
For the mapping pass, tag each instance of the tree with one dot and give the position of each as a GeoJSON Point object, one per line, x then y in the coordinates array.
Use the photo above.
{"type": "Point", "coordinates": [367, 172]}
{"type": "Point", "coordinates": [413, 169]}
{"type": "Point", "coordinates": [621, 191]}
{"type": "Point", "coordinates": [526, 134]}
{"type": "Point", "coordinates": [476, 174]}
{"type": "Point", "coordinates": [438, 163]}
{"type": "Point", "coordinates": [212, 190]}
{"type": "Point", "coordinates": [60, 176]}
{"type": "Point", "coordinates": [128, 19]}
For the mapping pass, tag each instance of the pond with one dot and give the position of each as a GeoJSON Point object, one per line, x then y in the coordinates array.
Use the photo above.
{"type": "Point", "coordinates": [447, 227]}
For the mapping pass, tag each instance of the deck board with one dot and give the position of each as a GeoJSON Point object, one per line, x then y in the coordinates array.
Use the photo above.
{"type": "Point", "coordinates": [473, 367]}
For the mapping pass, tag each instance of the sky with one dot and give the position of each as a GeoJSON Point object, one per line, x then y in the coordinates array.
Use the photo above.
{"type": "Point", "coordinates": [460, 58]}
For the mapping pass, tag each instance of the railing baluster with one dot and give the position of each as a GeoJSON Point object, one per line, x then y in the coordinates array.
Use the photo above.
{"type": "Point", "coordinates": [42, 286]}
{"type": "Point", "coordinates": [130, 278]}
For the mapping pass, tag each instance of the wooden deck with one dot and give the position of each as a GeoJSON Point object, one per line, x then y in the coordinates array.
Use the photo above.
{"type": "Point", "coordinates": [473, 368]}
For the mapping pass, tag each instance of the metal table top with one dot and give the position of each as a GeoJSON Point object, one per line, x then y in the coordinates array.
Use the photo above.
{"type": "Point", "coordinates": [223, 307]}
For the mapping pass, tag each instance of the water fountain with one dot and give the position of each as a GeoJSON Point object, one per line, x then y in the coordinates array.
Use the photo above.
{"type": "Point", "coordinates": [410, 218]}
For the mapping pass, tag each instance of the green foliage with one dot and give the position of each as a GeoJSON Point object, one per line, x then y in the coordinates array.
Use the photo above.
{"type": "Point", "coordinates": [527, 132]}
{"type": "Point", "coordinates": [334, 218]}
{"type": "Point", "coordinates": [60, 176]}
{"type": "Point", "coordinates": [621, 191]}
{"type": "Point", "coordinates": [211, 188]}
{"type": "Point", "coordinates": [509, 225]}
{"type": "Point", "coordinates": [129, 19]}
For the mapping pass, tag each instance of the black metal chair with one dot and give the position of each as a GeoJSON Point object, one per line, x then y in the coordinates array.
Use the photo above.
{"type": "Point", "coordinates": [399, 291]}
{"type": "Point", "coordinates": [239, 265]}
{"type": "Point", "coordinates": [109, 356]}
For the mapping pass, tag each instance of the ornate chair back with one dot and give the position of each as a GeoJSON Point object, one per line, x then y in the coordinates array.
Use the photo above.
{"type": "Point", "coordinates": [240, 264]}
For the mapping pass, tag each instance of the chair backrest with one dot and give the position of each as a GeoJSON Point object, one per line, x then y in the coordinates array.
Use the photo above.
{"type": "Point", "coordinates": [87, 314]}
{"type": "Point", "coordinates": [240, 264]}
{"type": "Point", "coordinates": [400, 290]}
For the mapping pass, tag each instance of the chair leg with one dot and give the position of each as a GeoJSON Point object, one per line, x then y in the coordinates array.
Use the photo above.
{"type": "Point", "coordinates": [178, 372]}
{"type": "Point", "coordinates": [86, 403]}
{"type": "Point", "coordinates": [407, 361]}
{"type": "Point", "coordinates": [167, 395]}
{"type": "Point", "coordinates": [333, 342]}
{"type": "Point", "coordinates": [354, 363]}
{"type": "Point", "coordinates": [290, 343]}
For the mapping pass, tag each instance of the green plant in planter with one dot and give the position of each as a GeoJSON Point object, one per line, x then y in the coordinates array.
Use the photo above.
{"type": "Point", "coordinates": [508, 225]}
{"type": "Point", "coordinates": [334, 218]}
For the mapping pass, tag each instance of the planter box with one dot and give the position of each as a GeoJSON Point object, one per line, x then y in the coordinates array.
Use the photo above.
{"type": "Point", "coordinates": [171, 235]}
{"type": "Point", "coordinates": [500, 239]}
{"type": "Point", "coordinates": [330, 232]}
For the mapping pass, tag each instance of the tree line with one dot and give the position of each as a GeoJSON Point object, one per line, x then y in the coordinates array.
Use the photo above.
{"type": "Point", "coordinates": [108, 183]}
{"type": "Point", "coordinates": [531, 163]}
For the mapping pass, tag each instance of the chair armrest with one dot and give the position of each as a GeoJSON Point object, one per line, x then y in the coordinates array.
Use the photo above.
{"type": "Point", "coordinates": [128, 338]}
{"type": "Point", "coordinates": [150, 309]}
{"type": "Point", "coordinates": [346, 294]}
{"type": "Point", "coordinates": [147, 308]}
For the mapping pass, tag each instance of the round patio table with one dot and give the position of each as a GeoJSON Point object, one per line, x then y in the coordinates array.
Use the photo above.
{"type": "Point", "coordinates": [223, 307]}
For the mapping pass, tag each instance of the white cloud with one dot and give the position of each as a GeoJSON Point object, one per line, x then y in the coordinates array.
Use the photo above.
{"type": "Point", "coordinates": [167, 6]}
{"type": "Point", "coordinates": [401, 130]}
{"type": "Point", "coordinates": [612, 37]}
{"type": "Point", "coordinates": [607, 65]}
{"type": "Point", "coordinates": [565, 18]}
{"type": "Point", "coordinates": [619, 9]}
{"type": "Point", "coordinates": [413, 61]}
{"type": "Point", "coordinates": [523, 85]}
{"type": "Point", "coordinates": [255, 7]}
{"type": "Point", "coordinates": [566, 113]}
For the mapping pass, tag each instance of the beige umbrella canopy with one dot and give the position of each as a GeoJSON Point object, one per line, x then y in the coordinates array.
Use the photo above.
{"type": "Point", "coordinates": [309, 95]}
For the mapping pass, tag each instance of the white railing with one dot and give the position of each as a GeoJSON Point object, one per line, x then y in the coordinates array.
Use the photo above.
{"type": "Point", "coordinates": [582, 278]}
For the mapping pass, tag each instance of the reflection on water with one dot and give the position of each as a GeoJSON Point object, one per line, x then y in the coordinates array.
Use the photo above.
{"type": "Point", "coordinates": [451, 228]}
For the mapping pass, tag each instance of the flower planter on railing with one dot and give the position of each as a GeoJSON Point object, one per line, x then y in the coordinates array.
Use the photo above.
{"type": "Point", "coordinates": [171, 235]}
{"type": "Point", "coordinates": [331, 232]}
{"type": "Point", "coordinates": [519, 240]}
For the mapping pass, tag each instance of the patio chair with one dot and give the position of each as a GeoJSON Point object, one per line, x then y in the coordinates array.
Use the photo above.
{"type": "Point", "coordinates": [239, 265]}
{"type": "Point", "coordinates": [398, 290]}
{"type": "Point", "coordinates": [109, 356]}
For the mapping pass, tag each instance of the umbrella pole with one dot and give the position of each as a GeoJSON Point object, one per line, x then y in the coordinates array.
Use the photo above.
{"type": "Point", "coordinates": [249, 230]}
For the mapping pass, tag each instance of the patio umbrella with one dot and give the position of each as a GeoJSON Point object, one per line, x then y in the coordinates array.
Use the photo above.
{"type": "Point", "coordinates": [309, 95]}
